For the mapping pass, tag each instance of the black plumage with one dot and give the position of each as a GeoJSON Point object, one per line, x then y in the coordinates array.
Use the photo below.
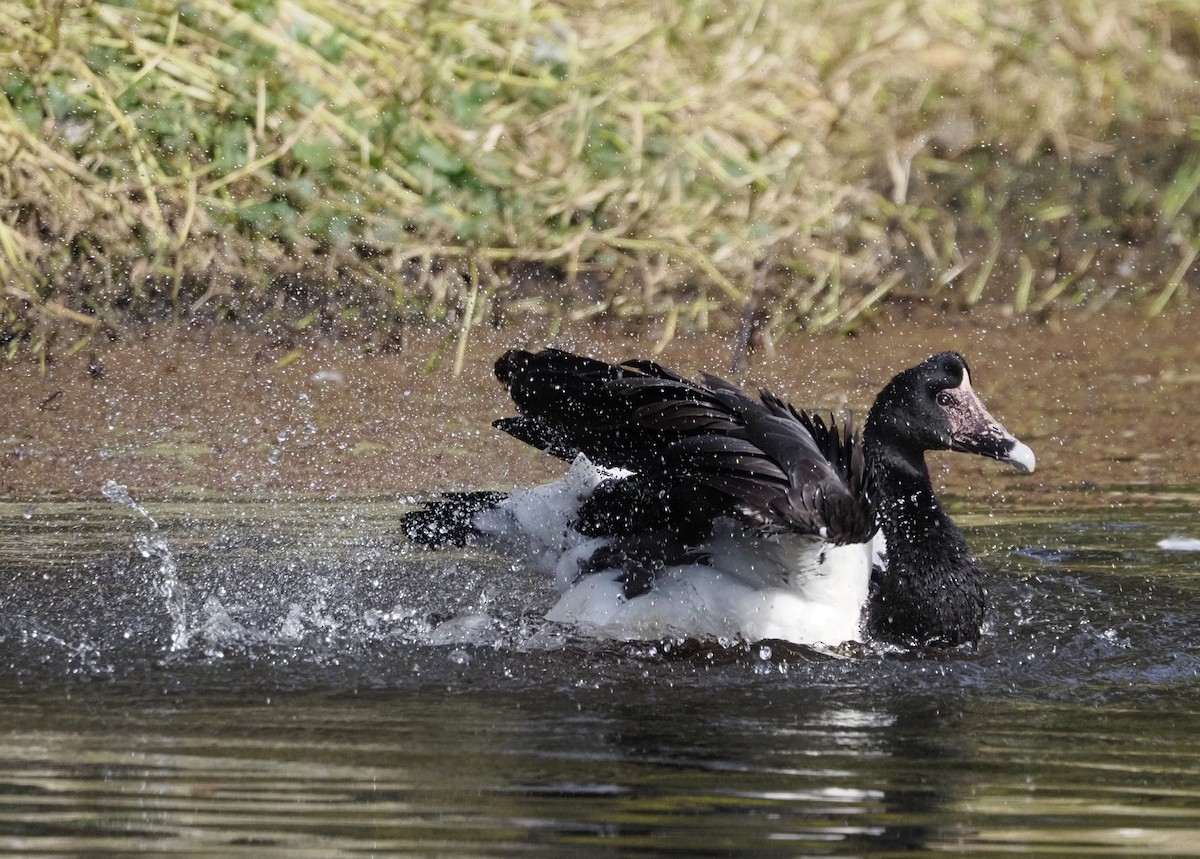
{"type": "Point", "coordinates": [706, 448]}
{"type": "Point", "coordinates": [692, 452]}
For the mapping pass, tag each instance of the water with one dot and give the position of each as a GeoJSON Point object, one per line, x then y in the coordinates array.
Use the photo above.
{"type": "Point", "coordinates": [294, 679]}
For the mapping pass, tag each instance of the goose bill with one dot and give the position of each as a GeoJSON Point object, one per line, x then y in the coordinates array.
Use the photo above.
{"type": "Point", "coordinates": [998, 443]}
{"type": "Point", "coordinates": [974, 430]}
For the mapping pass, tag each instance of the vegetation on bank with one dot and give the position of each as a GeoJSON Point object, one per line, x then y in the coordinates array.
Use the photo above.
{"type": "Point", "coordinates": [350, 167]}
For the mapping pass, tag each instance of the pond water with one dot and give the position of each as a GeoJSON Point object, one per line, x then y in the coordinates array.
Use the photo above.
{"type": "Point", "coordinates": [294, 679]}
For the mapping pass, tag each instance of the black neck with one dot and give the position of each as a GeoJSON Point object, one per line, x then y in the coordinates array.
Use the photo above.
{"type": "Point", "coordinates": [930, 593]}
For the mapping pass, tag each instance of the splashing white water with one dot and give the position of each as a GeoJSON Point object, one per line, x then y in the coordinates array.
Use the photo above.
{"type": "Point", "coordinates": [118, 494]}
{"type": "Point", "coordinates": [173, 591]}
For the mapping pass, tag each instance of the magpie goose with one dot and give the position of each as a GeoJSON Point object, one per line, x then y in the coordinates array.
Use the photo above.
{"type": "Point", "coordinates": [692, 509]}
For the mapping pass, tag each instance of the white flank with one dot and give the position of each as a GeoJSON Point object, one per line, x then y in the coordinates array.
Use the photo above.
{"type": "Point", "coordinates": [787, 587]}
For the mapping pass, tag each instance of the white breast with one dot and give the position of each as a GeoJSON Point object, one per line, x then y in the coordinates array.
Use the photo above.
{"type": "Point", "coordinates": [731, 599]}
{"type": "Point", "coordinates": [752, 587]}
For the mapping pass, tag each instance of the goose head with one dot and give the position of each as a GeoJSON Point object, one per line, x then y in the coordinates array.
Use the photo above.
{"type": "Point", "coordinates": [932, 406]}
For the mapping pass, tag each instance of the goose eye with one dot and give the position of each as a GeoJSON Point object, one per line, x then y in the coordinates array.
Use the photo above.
{"type": "Point", "coordinates": [944, 398]}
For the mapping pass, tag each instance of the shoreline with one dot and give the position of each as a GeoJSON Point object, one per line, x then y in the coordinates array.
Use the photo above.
{"type": "Point", "coordinates": [1108, 401]}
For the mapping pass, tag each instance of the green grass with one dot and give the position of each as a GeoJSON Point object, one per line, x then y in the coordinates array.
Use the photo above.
{"type": "Point", "coordinates": [349, 168]}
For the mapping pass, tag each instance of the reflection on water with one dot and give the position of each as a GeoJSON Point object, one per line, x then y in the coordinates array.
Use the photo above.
{"type": "Point", "coordinates": [296, 680]}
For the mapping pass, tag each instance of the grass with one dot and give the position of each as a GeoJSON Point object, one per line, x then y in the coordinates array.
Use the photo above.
{"type": "Point", "coordinates": [350, 168]}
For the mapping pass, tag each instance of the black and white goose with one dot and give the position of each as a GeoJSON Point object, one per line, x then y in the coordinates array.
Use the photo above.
{"type": "Point", "coordinates": [693, 509]}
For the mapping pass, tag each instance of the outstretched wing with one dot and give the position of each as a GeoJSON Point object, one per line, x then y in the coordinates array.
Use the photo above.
{"type": "Point", "coordinates": [757, 457]}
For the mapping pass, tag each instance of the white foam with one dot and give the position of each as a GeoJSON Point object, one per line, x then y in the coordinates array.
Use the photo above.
{"type": "Point", "coordinates": [1180, 544]}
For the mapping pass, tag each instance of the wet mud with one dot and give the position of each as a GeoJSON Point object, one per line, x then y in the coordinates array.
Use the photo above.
{"type": "Point", "coordinates": [1109, 402]}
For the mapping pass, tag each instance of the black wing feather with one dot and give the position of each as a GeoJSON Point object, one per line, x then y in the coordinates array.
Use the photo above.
{"type": "Point", "coordinates": [778, 467]}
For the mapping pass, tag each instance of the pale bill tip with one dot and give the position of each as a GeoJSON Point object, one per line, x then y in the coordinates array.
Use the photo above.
{"type": "Point", "coordinates": [1022, 459]}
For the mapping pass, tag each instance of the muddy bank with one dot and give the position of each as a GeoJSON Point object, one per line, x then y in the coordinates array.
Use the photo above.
{"type": "Point", "coordinates": [1110, 403]}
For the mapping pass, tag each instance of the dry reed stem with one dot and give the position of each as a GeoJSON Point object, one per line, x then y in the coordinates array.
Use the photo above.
{"type": "Point", "coordinates": [203, 156]}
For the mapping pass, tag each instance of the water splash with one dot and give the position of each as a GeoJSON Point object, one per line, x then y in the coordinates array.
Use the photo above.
{"type": "Point", "coordinates": [169, 587]}
{"type": "Point", "coordinates": [118, 494]}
